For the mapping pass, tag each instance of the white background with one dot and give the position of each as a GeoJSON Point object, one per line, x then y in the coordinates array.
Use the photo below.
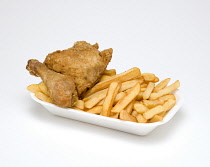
{"type": "Point", "coordinates": [168, 38]}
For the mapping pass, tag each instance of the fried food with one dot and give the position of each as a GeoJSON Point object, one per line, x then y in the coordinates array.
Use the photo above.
{"type": "Point", "coordinates": [83, 62]}
{"type": "Point", "coordinates": [124, 100]}
{"type": "Point", "coordinates": [61, 88]}
{"type": "Point", "coordinates": [68, 74]}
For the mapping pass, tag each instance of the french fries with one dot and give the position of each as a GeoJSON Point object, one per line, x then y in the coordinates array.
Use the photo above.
{"type": "Point", "coordinates": [127, 99]}
{"type": "Point", "coordinates": [125, 76]}
{"type": "Point", "coordinates": [148, 90]}
{"type": "Point", "coordinates": [34, 88]}
{"type": "Point", "coordinates": [152, 112]}
{"type": "Point", "coordinates": [43, 88]}
{"type": "Point", "coordinates": [109, 99]}
{"type": "Point", "coordinates": [110, 72]}
{"type": "Point", "coordinates": [129, 96]}
{"type": "Point", "coordinates": [104, 78]}
{"type": "Point", "coordinates": [127, 117]}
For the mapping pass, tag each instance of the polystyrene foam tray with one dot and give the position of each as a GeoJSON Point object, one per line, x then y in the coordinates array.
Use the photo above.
{"type": "Point", "coordinates": [126, 126]}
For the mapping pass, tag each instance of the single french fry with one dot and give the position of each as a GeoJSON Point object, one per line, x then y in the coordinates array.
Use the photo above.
{"type": "Point", "coordinates": [95, 99]}
{"type": "Point", "coordinates": [101, 102]}
{"type": "Point", "coordinates": [127, 117]}
{"type": "Point", "coordinates": [33, 88]}
{"type": "Point", "coordinates": [43, 97]}
{"type": "Point", "coordinates": [156, 118]}
{"type": "Point", "coordinates": [129, 84]}
{"type": "Point", "coordinates": [149, 77]}
{"type": "Point", "coordinates": [148, 90]}
{"type": "Point", "coordinates": [134, 113]}
{"type": "Point", "coordinates": [139, 96]}
{"type": "Point", "coordinates": [161, 85]}
{"type": "Point", "coordinates": [122, 77]}
{"type": "Point", "coordinates": [167, 97]}
{"type": "Point", "coordinates": [140, 108]}
{"type": "Point", "coordinates": [110, 72]}
{"type": "Point", "coordinates": [127, 99]}
{"type": "Point", "coordinates": [162, 114]}
{"type": "Point", "coordinates": [104, 91]}
{"type": "Point", "coordinates": [119, 96]}
{"type": "Point", "coordinates": [169, 104]}
{"type": "Point", "coordinates": [127, 90]}
{"type": "Point", "coordinates": [165, 91]}
{"type": "Point", "coordinates": [104, 78]}
{"type": "Point", "coordinates": [114, 115]}
{"type": "Point", "coordinates": [156, 110]}
{"type": "Point", "coordinates": [129, 107]}
{"type": "Point", "coordinates": [156, 80]}
{"type": "Point", "coordinates": [143, 90]}
{"type": "Point", "coordinates": [144, 85]}
{"type": "Point", "coordinates": [109, 99]}
{"type": "Point", "coordinates": [43, 88]}
{"type": "Point", "coordinates": [76, 108]}
{"type": "Point", "coordinates": [95, 110]}
{"type": "Point", "coordinates": [152, 103]}
{"type": "Point", "coordinates": [141, 119]}
{"type": "Point", "coordinates": [80, 104]}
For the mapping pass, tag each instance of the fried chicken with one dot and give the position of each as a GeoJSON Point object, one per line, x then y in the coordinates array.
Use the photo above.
{"type": "Point", "coordinates": [83, 62]}
{"type": "Point", "coordinates": [68, 74]}
{"type": "Point", "coordinates": [61, 88]}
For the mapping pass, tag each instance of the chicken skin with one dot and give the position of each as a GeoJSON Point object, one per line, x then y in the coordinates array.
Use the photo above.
{"type": "Point", "coordinates": [68, 74]}
{"type": "Point", "coordinates": [83, 62]}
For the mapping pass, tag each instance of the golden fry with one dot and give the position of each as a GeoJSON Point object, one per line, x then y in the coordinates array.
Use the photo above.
{"type": "Point", "coordinates": [139, 96]}
{"type": "Point", "coordinates": [152, 103]}
{"type": "Point", "coordinates": [119, 96]}
{"type": "Point", "coordinates": [129, 84]}
{"type": "Point", "coordinates": [167, 97]}
{"type": "Point", "coordinates": [110, 72]}
{"type": "Point", "coordinates": [144, 85]}
{"type": "Point", "coordinates": [127, 99]}
{"type": "Point", "coordinates": [161, 85]}
{"type": "Point", "coordinates": [80, 104]}
{"type": "Point", "coordinates": [43, 88]}
{"type": "Point", "coordinates": [125, 76]}
{"type": "Point", "coordinates": [141, 119]}
{"type": "Point", "coordinates": [109, 99]}
{"type": "Point", "coordinates": [104, 91]}
{"type": "Point", "coordinates": [156, 110]}
{"type": "Point", "coordinates": [127, 117]}
{"type": "Point", "coordinates": [134, 113]}
{"type": "Point", "coordinates": [149, 77]}
{"type": "Point", "coordinates": [156, 118]}
{"type": "Point", "coordinates": [95, 99]}
{"type": "Point", "coordinates": [95, 110]}
{"type": "Point", "coordinates": [169, 104]}
{"type": "Point", "coordinates": [33, 88]}
{"type": "Point", "coordinates": [43, 97]}
{"type": "Point", "coordinates": [104, 78]}
{"type": "Point", "coordinates": [76, 108]}
{"type": "Point", "coordinates": [101, 102]}
{"type": "Point", "coordinates": [165, 91]}
{"type": "Point", "coordinates": [129, 107]}
{"type": "Point", "coordinates": [140, 108]}
{"type": "Point", "coordinates": [114, 115]}
{"type": "Point", "coordinates": [148, 90]}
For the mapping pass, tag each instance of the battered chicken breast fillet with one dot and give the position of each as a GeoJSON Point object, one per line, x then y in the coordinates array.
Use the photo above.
{"type": "Point", "coordinates": [68, 74]}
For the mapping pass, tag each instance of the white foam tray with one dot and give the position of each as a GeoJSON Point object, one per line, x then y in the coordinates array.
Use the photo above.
{"type": "Point", "coordinates": [125, 126]}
